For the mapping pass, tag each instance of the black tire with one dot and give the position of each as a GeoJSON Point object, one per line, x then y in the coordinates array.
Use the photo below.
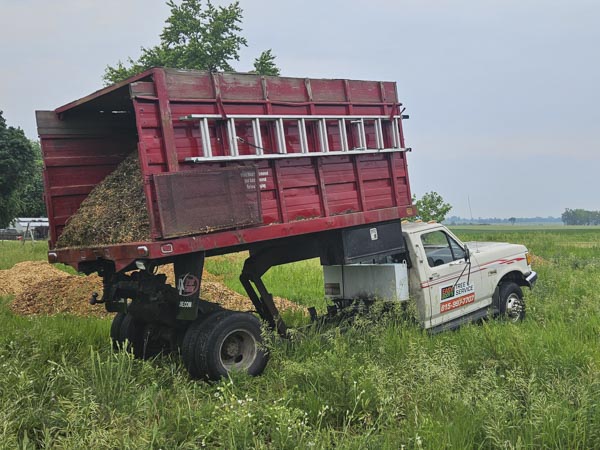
{"type": "Point", "coordinates": [512, 305]}
{"type": "Point", "coordinates": [115, 331]}
{"type": "Point", "coordinates": [139, 338]}
{"type": "Point", "coordinates": [230, 341]}
{"type": "Point", "coordinates": [188, 346]}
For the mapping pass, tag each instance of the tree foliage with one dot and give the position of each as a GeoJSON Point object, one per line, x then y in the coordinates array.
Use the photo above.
{"type": "Point", "coordinates": [431, 207]}
{"type": "Point", "coordinates": [580, 217]}
{"type": "Point", "coordinates": [265, 64]}
{"type": "Point", "coordinates": [195, 36]}
{"type": "Point", "coordinates": [17, 166]}
{"type": "Point", "coordinates": [32, 193]}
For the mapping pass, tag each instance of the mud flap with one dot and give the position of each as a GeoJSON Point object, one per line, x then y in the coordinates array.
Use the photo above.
{"type": "Point", "coordinates": [188, 275]}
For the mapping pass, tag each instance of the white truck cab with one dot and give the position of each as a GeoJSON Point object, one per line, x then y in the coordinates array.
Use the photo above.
{"type": "Point", "coordinates": [451, 282]}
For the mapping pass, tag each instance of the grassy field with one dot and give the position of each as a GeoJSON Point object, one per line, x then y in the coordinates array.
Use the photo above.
{"type": "Point", "coordinates": [383, 384]}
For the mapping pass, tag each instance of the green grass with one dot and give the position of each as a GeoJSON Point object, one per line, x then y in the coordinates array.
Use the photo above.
{"type": "Point", "coordinates": [14, 252]}
{"type": "Point", "coordinates": [383, 384]}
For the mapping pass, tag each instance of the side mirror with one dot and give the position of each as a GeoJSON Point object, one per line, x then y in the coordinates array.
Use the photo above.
{"type": "Point", "coordinates": [467, 254]}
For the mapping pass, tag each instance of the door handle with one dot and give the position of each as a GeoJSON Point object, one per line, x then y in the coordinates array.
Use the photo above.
{"type": "Point", "coordinates": [434, 276]}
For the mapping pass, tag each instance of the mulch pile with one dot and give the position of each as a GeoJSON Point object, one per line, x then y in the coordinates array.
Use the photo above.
{"type": "Point", "coordinates": [42, 289]}
{"type": "Point", "coordinates": [114, 212]}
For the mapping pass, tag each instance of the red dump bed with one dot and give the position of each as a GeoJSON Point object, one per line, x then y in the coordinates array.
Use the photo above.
{"type": "Point", "coordinates": [229, 159]}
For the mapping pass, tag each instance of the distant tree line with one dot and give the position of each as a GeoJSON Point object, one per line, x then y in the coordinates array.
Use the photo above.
{"type": "Point", "coordinates": [580, 217]}
{"type": "Point", "coordinates": [456, 220]}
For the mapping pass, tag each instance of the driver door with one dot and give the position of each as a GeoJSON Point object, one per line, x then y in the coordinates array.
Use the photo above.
{"type": "Point", "coordinates": [455, 287]}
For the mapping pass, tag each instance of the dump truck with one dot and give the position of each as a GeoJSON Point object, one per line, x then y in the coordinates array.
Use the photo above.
{"type": "Point", "coordinates": [287, 169]}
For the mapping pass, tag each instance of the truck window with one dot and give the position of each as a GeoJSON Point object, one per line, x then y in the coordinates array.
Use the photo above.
{"type": "Point", "coordinates": [441, 248]}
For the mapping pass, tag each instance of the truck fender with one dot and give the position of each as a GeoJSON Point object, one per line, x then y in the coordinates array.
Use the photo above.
{"type": "Point", "coordinates": [514, 276]}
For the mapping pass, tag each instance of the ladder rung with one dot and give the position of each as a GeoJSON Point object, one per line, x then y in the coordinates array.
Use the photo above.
{"type": "Point", "coordinates": [204, 132]}
{"type": "Point", "coordinates": [395, 134]}
{"type": "Point", "coordinates": [232, 135]}
{"type": "Point", "coordinates": [323, 141]}
{"type": "Point", "coordinates": [257, 136]}
{"type": "Point", "coordinates": [343, 134]}
{"type": "Point", "coordinates": [302, 134]}
{"type": "Point", "coordinates": [378, 133]}
{"type": "Point", "coordinates": [280, 131]}
{"type": "Point", "coordinates": [362, 140]}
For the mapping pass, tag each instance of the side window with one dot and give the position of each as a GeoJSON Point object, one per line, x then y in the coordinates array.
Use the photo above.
{"type": "Point", "coordinates": [441, 248]}
{"type": "Point", "coordinates": [457, 251]}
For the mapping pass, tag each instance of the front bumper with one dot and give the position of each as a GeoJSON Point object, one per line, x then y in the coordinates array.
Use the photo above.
{"type": "Point", "coordinates": [531, 279]}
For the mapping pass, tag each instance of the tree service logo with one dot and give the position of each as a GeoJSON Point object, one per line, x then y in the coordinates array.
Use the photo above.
{"type": "Point", "coordinates": [188, 285]}
{"type": "Point", "coordinates": [456, 295]}
{"type": "Point", "coordinates": [447, 292]}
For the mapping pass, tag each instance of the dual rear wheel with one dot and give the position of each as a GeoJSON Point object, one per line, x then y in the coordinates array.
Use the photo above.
{"type": "Point", "coordinates": [212, 346]}
{"type": "Point", "coordinates": [223, 342]}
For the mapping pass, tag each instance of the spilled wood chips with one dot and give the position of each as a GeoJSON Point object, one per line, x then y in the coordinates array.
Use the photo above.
{"type": "Point", "coordinates": [42, 289]}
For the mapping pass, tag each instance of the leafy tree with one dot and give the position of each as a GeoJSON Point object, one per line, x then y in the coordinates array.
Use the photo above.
{"type": "Point", "coordinates": [431, 207]}
{"type": "Point", "coordinates": [32, 194]}
{"type": "Point", "coordinates": [194, 37]}
{"type": "Point", "coordinates": [17, 164]}
{"type": "Point", "coordinates": [265, 64]}
{"type": "Point", "coordinates": [512, 220]}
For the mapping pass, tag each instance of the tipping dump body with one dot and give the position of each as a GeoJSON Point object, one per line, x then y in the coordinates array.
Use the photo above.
{"type": "Point", "coordinates": [229, 160]}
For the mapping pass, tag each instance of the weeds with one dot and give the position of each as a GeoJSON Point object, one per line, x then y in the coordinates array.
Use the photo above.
{"type": "Point", "coordinates": [382, 383]}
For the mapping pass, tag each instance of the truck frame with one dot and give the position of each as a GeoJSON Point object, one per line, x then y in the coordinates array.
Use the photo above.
{"type": "Point", "coordinates": [285, 168]}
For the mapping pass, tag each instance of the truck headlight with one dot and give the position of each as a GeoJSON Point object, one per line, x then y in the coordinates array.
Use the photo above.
{"type": "Point", "coordinates": [528, 258]}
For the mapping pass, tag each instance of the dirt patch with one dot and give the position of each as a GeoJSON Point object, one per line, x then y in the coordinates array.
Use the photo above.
{"type": "Point", "coordinates": [41, 289]}
{"type": "Point", "coordinates": [114, 212]}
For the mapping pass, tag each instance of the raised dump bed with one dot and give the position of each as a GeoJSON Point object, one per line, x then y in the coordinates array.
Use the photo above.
{"type": "Point", "coordinates": [288, 168]}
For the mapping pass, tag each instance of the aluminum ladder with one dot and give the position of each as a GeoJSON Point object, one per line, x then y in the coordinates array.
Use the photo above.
{"type": "Point", "coordinates": [301, 122]}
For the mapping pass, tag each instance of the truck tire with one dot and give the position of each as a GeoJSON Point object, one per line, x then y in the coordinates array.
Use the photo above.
{"type": "Point", "coordinates": [512, 305]}
{"type": "Point", "coordinates": [139, 338]}
{"type": "Point", "coordinates": [229, 341]}
{"type": "Point", "coordinates": [115, 331]}
{"type": "Point", "coordinates": [188, 346]}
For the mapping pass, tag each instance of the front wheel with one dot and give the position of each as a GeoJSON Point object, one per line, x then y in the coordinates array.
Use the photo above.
{"type": "Point", "coordinates": [512, 305]}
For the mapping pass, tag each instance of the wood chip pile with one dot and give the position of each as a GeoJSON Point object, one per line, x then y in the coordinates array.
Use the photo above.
{"type": "Point", "coordinates": [114, 212]}
{"type": "Point", "coordinates": [42, 289]}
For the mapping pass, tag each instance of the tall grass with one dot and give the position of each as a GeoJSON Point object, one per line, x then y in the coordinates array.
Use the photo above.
{"type": "Point", "coordinates": [13, 252]}
{"type": "Point", "coordinates": [379, 384]}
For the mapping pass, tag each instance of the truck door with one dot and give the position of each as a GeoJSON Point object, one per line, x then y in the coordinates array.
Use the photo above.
{"type": "Point", "coordinates": [455, 289]}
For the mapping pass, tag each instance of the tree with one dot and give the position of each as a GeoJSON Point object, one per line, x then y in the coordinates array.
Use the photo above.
{"type": "Point", "coordinates": [512, 220]}
{"type": "Point", "coordinates": [580, 217]}
{"type": "Point", "coordinates": [431, 207]}
{"type": "Point", "coordinates": [194, 37]}
{"type": "Point", "coordinates": [265, 64]}
{"type": "Point", "coordinates": [16, 168]}
{"type": "Point", "coordinates": [32, 193]}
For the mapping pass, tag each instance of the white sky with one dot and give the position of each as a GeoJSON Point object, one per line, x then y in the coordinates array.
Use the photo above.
{"type": "Point", "coordinates": [503, 95]}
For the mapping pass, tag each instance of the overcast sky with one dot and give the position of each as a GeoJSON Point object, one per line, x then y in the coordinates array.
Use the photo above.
{"type": "Point", "coordinates": [503, 96]}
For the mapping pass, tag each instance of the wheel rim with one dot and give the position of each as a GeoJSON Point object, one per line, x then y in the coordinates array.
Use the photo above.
{"type": "Point", "coordinates": [514, 307]}
{"type": "Point", "coordinates": [238, 350]}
